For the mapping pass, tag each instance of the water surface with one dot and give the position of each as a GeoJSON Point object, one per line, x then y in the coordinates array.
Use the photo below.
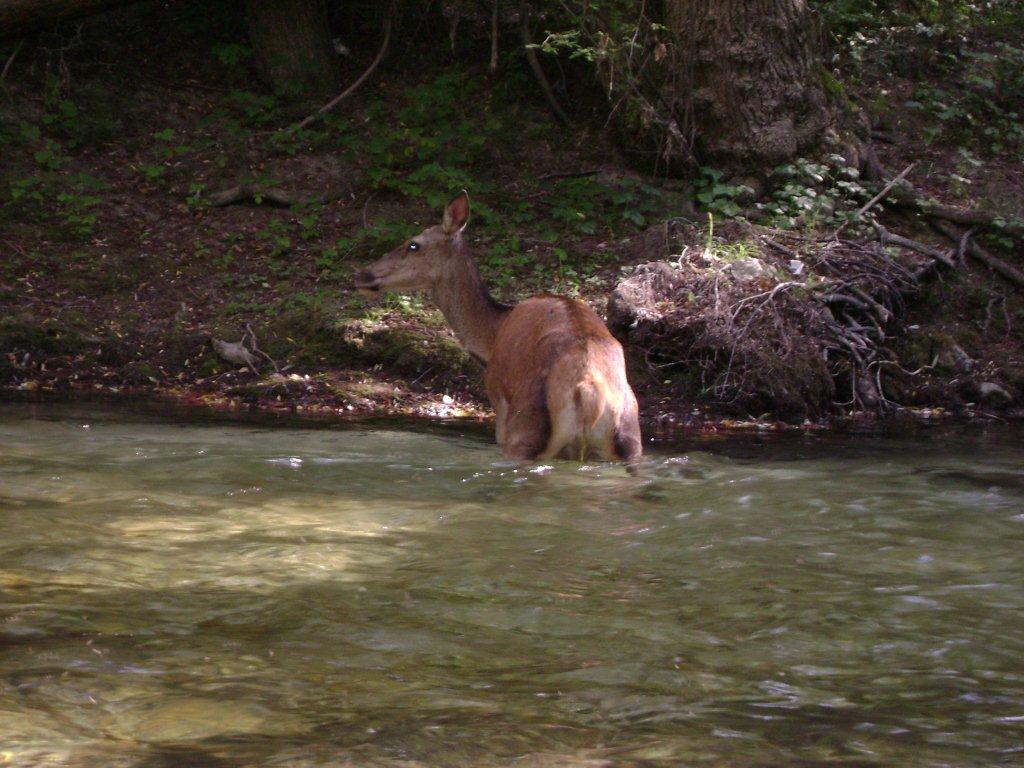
{"type": "Point", "coordinates": [178, 593]}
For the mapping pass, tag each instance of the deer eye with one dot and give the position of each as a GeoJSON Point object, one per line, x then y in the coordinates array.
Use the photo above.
{"type": "Point", "coordinates": [414, 246]}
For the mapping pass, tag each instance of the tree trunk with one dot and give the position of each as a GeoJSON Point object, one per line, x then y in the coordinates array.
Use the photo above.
{"type": "Point", "coordinates": [291, 40]}
{"type": "Point", "coordinates": [20, 16]}
{"type": "Point", "coordinates": [751, 85]}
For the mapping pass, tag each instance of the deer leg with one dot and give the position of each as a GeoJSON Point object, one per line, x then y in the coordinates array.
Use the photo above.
{"type": "Point", "coordinates": [627, 444]}
{"type": "Point", "coordinates": [500, 418]}
{"type": "Point", "coordinates": [527, 426]}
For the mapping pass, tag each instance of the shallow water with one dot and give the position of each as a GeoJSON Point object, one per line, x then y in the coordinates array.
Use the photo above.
{"type": "Point", "coordinates": [178, 593]}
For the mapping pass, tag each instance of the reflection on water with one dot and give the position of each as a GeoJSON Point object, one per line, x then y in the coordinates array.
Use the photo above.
{"type": "Point", "coordinates": [243, 594]}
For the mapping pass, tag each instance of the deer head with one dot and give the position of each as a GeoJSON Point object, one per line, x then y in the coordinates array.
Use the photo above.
{"type": "Point", "coordinates": [423, 261]}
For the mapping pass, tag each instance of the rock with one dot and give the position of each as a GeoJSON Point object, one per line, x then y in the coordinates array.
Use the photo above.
{"type": "Point", "coordinates": [796, 267]}
{"type": "Point", "coordinates": [661, 240]}
{"type": "Point", "coordinates": [233, 352]}
{"type": "Point", "coordinates": [175, 720]}
{"type": "Point", "coordinates": [639, 298]}
{"type": "Point", "coordinates": [753, 189]}
{"type": "Point", "coordinates": [745, 270]}
{"type": "Point", "coordinates": [993, 394]}
{"type": "Point", "coordinates": [960, 359]}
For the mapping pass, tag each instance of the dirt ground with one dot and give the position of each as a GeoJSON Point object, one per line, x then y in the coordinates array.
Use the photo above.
{"type": "Point", "coordinates": [118, 267]}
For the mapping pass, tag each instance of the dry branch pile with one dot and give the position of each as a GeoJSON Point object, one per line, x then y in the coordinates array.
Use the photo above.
{"type": "Point", "coordinates": [763, 321]}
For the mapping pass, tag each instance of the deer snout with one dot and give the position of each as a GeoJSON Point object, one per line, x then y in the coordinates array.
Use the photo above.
{"type": "Point", "coordinates": [367, 282]}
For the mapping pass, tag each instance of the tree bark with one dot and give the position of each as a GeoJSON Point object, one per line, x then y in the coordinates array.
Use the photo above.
{"type": "Point", "coordinates": [750, 79]}
{"type": "Point", "coordinates": [20, 16]}
{"type": "Point", "coordinates": [292, 44]}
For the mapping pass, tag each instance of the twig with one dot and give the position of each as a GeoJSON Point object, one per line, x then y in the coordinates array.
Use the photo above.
{"type": "Point", "coordinates": [416, 381]}
{"type": "Point", "coordinates": [366, 207]}
{"type": "Point", "coordinates": [781, 248]}
{"type": "Point", "coordinates": [569, 174]}
{"type": "Point", "coordinates": [538, 71]}
{"type": "Point", "coordinates": [885, 190]}
{"type": "Point", "coordinates": [770, 294]}
{"type": "Point", "coordinates": [359, 81]}
{"type": "Point", "coordinates": [255, 348]}
{"type": "Point", "coordinates": [10, 60]}
{"type": "Point", "coordinates": [903, 370]}
{"type": "Point", "coordinates": [883, 312]}
{"type": "Point", "coordinates": [988, 315]}
{"type": "Point", "coordinates": [965, 241]}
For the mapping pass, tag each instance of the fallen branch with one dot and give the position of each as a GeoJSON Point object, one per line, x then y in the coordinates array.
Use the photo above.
{"type": "Point", "coordinates": [968, 218]}
{"type": "Point", "coordinates": [885, 237]}
{"type": "Point", "coordinates": [842, 298]}
{"type": "Point", "coordinates": [569, 174]}
{"type": "Point", "coordinates": [781, 248]}
{"type": "Point", "coordinates": [885, 190]}
{"type": "Point", "coordinates": [244, 193]}
{"type": "Point", "coordinates": [884, 313]}
{"type": "Point", "coordinates": [983, 255]}
{"type": "Point", "coordinates": [359, 81]}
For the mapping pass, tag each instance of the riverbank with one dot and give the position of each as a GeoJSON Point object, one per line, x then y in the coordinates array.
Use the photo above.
{"type": "Point", "coordinates": [146, 214]}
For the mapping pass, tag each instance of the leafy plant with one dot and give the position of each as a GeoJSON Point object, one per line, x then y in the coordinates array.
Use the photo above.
{"type": "Point", "coordinates": [717, 197]}
{"type": "Point", "coordinates": [810, 194]}
{"type": "Point", "coordinates": [231, 55]}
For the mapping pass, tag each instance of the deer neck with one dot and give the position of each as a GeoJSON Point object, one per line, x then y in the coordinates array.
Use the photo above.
{"type": "Point", "coordinates": [468, 306]}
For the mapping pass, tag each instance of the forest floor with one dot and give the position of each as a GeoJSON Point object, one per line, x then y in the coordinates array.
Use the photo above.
{"type": "Point", "coordinates": [118, 265]}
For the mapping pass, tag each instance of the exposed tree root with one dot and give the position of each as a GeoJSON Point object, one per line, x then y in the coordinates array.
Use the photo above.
{"type": "Point", "coordinates": [885, 237]}
{"type": "Point", "coordinates": [965, 217]}
{"type": "Point", "coordinates": [942, 218]}
{"type": "Point", "coordinates": [969, 245]}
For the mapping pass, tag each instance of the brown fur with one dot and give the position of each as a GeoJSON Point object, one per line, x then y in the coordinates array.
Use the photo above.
{"type": "Point", "coordinates": [555, 376]}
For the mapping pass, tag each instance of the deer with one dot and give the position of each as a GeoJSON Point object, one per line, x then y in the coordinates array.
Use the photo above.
{"type": "Point", "coordinates": [554, 374]}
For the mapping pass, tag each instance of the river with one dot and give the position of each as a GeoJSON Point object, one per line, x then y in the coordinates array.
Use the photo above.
{"type": "Point", "coordinates": [206, 592]}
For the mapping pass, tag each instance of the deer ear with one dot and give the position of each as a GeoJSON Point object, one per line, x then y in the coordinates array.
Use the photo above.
{"type": "Point", "coordinates": [456, 214]}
